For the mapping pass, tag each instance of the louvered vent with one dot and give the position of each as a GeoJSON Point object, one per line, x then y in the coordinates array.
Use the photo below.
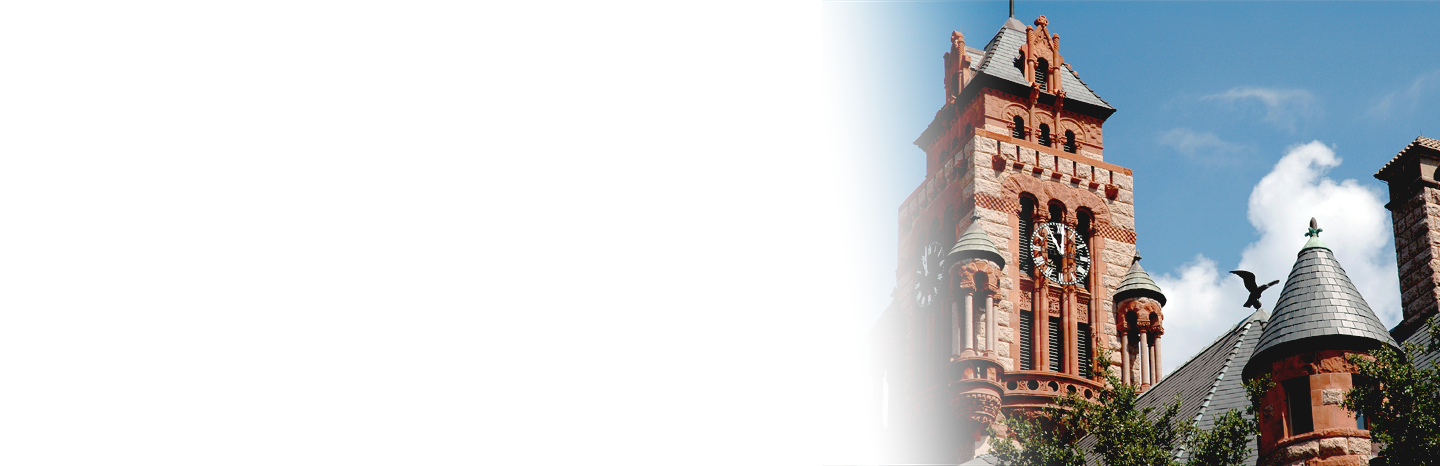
{"type": "Point", "coordinates": [1083, 345]}
{"type": "Point", "coordinates": [1042, 70]}
{"type": "Point", "coordinates": [1055, 345]}
{"type": "Point", "coordinates": [1027, 341]}
{"type": "Point", "coordinates": [1027, 228]}
{"type": "Point", "coordinates": [1019, 131]}
{"type": "Point", "coordinates": [1044, 135]}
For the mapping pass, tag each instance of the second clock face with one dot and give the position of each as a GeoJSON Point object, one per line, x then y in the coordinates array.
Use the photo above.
{"type": "Point", "coordinates": [1059, 252]}
{"type": "Point", "coordinates": [930, 274]}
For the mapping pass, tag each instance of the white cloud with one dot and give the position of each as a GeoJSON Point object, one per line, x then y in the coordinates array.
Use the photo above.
{"type": "Point", "coordinates": [1202, 147]}
{"type": "Point", "coordinates": [846, 422]}
{"type": "Point", "coordinates": [1205, 300]}
{"type": "Point", "coordinates": [1283, 107]}
{"type": "Point", "coordinates": [1404, 100]}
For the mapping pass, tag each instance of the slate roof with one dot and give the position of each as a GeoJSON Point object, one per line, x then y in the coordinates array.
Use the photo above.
{"type": "Point", "coordinates": [1138, 283]}
{"type": "Point", "coordinates": [1209, 383]}
{"type": "Point", "coordinates": [1426, 360]}
{"type": "Point", "coordinates": [999, 61]}
{"type": "Point", "coordinates": [1319, 301]}
{"type": "Point", "coordinates": [975, 243]}
{"type": "Point", "coordinates": [1422, 146]}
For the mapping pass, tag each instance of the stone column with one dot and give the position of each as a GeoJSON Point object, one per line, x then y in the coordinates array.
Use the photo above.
{"type": "Point", "coordinates": [969, 321]}
{"type": "Point", "coordinates": [1156, 349]}
{"type": "Point", "coordinates": [879, 400]}
{"type": "Point", "coordinates": [957, 330]}
{"type": "Point", "coordinates": [1125, 356]}
{"type": "Point", "coordinates": [1144, 359]}
{"type": "Point", "coordinates": [992, 343]}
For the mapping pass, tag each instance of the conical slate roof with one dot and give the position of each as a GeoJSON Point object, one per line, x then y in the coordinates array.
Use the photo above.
{"type": "Point", "coordinates": [1137, 283]}
{"type": "Point", "coordinates": [890, 322]}
{"type": "Point", "coordinates": [1319, 308]}
{"type": "Point", "coordinates": [975, 243]}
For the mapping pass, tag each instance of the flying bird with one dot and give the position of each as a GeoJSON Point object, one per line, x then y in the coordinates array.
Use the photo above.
{"type": "Point", "coordinates": [1254, 299]}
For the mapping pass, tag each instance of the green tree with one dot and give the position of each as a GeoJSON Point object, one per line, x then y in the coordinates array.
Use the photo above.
{"type": "Point", "coordinates": [1125, 434]}
{"type": "Point", "coordinates": [1401, 402]}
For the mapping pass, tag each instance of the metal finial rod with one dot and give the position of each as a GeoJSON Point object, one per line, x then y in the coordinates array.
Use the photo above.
{"type": "Point", "coordinates": [1012, 8]}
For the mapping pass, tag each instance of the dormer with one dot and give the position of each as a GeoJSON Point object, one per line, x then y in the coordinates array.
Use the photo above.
{"type": "Point", "coordinates": [957, 67]}
{"type": "Point", "coordinates": [1041, 53]}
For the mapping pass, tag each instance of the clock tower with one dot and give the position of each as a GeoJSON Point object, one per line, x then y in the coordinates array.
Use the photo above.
{"type": "Point", "coordinates": [1017, 263]}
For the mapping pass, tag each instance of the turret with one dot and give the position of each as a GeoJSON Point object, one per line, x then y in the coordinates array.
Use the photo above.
{"type": "Point", "coordinates": [1140, 316]}
{"type": "Point", "coordinates": [1319, 322]}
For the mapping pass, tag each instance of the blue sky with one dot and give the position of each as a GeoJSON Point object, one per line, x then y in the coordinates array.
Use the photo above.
{"type": "Point", "coordinates": [1210, 97]}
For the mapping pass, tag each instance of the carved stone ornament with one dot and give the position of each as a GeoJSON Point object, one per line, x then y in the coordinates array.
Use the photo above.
{"type": "Point", "coordinates": [981, 408]}
{"type": "Point", "coordinates": [964, 275]}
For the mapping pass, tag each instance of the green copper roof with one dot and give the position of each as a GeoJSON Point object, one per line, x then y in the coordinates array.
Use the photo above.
{"type": "Point", "coordinates": [975, 243]}
{"type": "Point", "coordinates": [1314, 235]}
{"type": "Point", "coordinates": [890, 322]}
{"type": "Point", "coordinates": [1137, 283]}
{"type": "Point", "coordinates": [1319, 308]}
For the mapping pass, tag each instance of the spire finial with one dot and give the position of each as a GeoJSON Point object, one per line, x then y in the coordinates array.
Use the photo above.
{"type": "Point", "coordinates": [1012, 8]}
{"type": "Point", "coordinates": [975, 216]}
{"type": "Point", "coordinates": [1136, 259]}
{"type": "Point", "coordinates": [1314, 229]}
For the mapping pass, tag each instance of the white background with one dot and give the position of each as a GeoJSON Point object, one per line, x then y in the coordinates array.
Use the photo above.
{"type": "Point", "coordinates": [422, 233]}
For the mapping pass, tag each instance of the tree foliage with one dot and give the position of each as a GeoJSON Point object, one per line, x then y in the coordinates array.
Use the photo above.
{"type": "Point", "coordinates": [1125, 434]}
{"type": "Point", "coordinates": [1401, 402]}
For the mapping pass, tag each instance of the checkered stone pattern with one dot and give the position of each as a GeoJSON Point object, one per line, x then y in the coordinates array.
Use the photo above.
{"type": "Point", "coordinates": [994, 203]}
{"type": "Point", "coordinates": [1319, 300]}
{"type": "Point", "coordinates": [1115, 233]}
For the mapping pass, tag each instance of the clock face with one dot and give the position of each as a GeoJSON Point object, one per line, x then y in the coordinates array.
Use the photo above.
{"type": "Point", "coordinates": [929, 274]}
{"type": "Point", "coordinates": [1059, 252]}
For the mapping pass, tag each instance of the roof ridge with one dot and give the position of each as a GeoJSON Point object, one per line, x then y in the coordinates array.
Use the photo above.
{"type": "Point", "coordinates": [1075, 75]}
{"type": "Point", "coordinates": [1223, 369]}
{"type": "Point", "coordinates": [1197, 354]}
{"type": "Point", "coordinates": [990, 50]}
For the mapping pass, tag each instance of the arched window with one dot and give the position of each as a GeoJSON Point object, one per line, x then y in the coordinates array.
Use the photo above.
{"type": "Point", "coordinates": [1044, 139]}
{"type": "Point", "coordinates": [1027, 228]}
{"type": "Point", "coordinates": [1297, 396]}
{"type": "Point", "coordinates": [1082, 225]}
{"type": "Point", "coordinates": [1019, 131]}
{"type": "Point", "coordinates": [1057, 212]}
{"type": "Point", "coordinates": [1042, 74]}
{"type": "Point", "coordinates": [1070, 141]}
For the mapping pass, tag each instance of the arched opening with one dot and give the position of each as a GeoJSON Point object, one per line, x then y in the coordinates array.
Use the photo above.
{"type": "Point", "coordinates": [1018, 130]}
{"type": "Point", "coordinates": [1070, 141]}
{"type": "Point", "coordinates": [1042, 74]}
{"type": "Point", "coordinates": [1057, 212]}
{"type": "Point", "coordinates": [1020, 63]}
{"type": "Point", "coordinates": [1027, 228]}
{"type": "Point", "coordinates": [1083, 218]}
{"type": "Point", "coordinates": [1297, 397]}
{"type": "Point", "coordinates": [981, 314]}
{"type": "Point", "coordinates": [1044, 139]}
